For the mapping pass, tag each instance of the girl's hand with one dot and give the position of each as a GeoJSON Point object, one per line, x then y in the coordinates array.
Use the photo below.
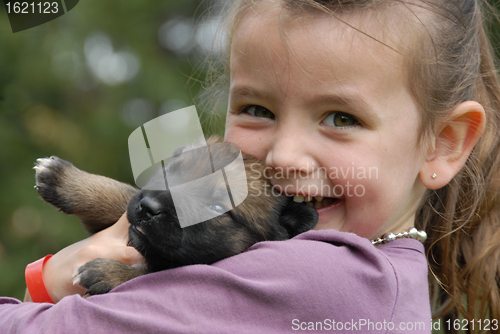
{"type": "Point", "coordinates": [110, 243]}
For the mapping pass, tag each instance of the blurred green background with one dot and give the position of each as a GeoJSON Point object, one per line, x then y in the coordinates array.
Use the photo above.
{"type": "Point", "coordinates": [76, 87]}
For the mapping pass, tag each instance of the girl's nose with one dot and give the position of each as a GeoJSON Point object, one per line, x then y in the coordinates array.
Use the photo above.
{"type": "Point", "coordinates": [292, 156]}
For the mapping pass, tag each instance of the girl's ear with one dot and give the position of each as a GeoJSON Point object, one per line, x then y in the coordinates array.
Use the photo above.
{"type": "Point", "coordinates": [453, 144]}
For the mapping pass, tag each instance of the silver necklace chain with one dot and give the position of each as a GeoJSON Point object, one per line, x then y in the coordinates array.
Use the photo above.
{"type": "Point", "coordinates": [388, 237]}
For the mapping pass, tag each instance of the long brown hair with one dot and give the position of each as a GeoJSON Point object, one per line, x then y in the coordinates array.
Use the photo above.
{"type": "Point", "coordinates": [462, 219]}
{"type": "Point", "coordinates": [451, 62]}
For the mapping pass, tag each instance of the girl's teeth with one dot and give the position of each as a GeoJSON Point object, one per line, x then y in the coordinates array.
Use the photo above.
{"type": "Point", "coordinates": [319, 202]}
{"type": "Point", "coordinates": [298, 198]}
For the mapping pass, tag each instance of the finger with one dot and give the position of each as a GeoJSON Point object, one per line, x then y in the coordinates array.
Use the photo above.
{"type": "Point", "coordinates": [27, 296]}
{"type": "Point", "coordinates": [123, 221]}
{"type": "Point", "coordinates": [119, 229]}
{"type": "Point", "coordinates": [119, 232]}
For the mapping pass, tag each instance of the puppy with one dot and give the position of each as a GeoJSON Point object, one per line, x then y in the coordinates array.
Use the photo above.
{"type": "Point", "coordinates": [155, 230]}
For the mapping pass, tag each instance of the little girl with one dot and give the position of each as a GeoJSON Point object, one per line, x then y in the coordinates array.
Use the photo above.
{"type": "Point", "coordinates": [381, 114]}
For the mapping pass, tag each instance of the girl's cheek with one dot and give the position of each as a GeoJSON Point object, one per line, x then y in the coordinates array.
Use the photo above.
{"type": "Point", "coordinates": [250, 140]}
{"type": "Point", "coordinates": [233, 134]}
{"type": "Point", "coordinates": [241, 138]}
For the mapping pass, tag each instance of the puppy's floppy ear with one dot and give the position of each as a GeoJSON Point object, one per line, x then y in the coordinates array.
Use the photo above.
{"type": "Point", "coordinates": [297, 218]}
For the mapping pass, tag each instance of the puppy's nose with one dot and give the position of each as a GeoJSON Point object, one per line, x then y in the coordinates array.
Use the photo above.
{"type": "Point", "coordinates": [149, 207]}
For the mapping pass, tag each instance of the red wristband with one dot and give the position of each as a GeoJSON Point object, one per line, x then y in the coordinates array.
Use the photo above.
{"type": "Point", "coordinates": [34, 281]}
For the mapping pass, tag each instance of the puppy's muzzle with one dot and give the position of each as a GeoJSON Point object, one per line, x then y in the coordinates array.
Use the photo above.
{"type": "Point", "coordinates": [148, 207]}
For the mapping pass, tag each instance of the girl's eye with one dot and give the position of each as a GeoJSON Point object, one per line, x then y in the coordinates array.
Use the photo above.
{"type": "Point", "coordinates": [340, 120]}
{"type": "Point", "coordinates": [257, 111]}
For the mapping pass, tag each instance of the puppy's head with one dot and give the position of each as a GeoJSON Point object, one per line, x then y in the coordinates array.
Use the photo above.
{"type": "Point", "coordinates": [264, 215]}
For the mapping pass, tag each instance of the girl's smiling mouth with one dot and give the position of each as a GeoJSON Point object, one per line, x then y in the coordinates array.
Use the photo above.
{"type": "Point", "coordinates": [317, 202]}
{"type": "Point", "coordinates": [327, 208]}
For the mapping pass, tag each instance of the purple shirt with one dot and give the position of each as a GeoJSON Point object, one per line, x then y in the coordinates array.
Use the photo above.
{"type": "Point", "coordinates": [318, 281]}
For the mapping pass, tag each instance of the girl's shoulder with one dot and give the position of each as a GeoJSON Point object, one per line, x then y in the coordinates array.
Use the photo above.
{"type": "Point", "coordinates": [327, 268]}
{"type": "Point", "coordinates": [334, 258]}
{"type": "Point", "coordinates": [329, 247]}
{"type": "Point", "coordinates": [319, 280]}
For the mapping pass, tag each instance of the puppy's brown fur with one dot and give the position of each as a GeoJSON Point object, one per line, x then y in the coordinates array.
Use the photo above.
{"type": "Point", "coordinates": [97, 200]}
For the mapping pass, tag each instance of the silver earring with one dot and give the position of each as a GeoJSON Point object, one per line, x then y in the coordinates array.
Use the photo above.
{"type": "Point", "coordinates": [434, 176]}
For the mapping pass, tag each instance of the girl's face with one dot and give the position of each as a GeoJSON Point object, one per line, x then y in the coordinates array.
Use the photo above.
{"type": "Point", "coordinates": [329, 111]}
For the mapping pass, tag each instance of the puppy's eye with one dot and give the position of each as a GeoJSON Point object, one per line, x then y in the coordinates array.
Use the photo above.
{"type": "Point", "coordinates": [217, 208]}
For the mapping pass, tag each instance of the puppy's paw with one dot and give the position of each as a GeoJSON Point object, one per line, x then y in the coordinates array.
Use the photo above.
{"type": "Point", "coordinates": [102, 275]}
{"type": "Point", "coordinates": [51, 174]}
